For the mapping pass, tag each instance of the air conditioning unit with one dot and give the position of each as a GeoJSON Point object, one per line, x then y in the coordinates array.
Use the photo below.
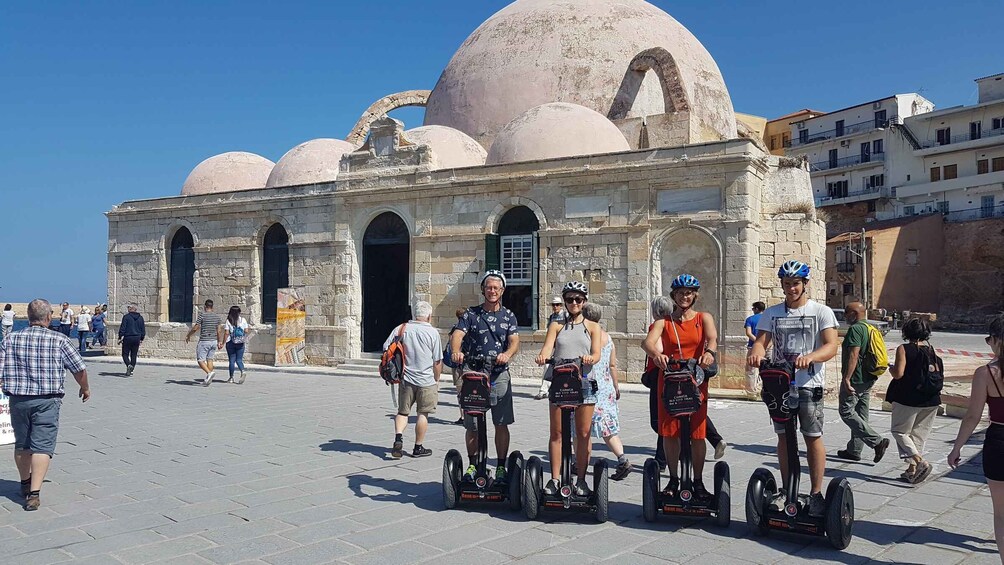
{"type": "Point", "coordinates": [877, 105]}
{"type": "Point", "coordinates": [801, 125]}
{"type": "Point", "coordinates": [845, 143]}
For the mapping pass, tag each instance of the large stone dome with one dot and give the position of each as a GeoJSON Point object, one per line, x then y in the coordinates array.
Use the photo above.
{"type": "Point", "coordinates": [555, 130]}
{"type": "Point", "coordinates": [226, 172]}
{"type": "Point", "coordinates": [451, 149]}
{"type": "Point", "coordinates": [309, 162]}
{"type": "Point", "coordinates": [537, 51]}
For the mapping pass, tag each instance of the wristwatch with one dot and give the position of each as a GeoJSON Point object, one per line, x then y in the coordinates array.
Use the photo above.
{"type": "Point", "coordinates": [713, 353]}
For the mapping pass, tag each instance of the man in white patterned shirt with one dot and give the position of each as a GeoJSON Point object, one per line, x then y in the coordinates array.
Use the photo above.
{"type": "Point", "coordinates": [32, 362]}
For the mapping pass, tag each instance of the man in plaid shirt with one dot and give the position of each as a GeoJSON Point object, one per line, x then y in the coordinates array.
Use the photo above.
{"type": "Point", "coordinates": [31, 374]}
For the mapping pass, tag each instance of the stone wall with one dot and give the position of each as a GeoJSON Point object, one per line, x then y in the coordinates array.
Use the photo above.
{"type": "Point", "coordinates": [972, 288]}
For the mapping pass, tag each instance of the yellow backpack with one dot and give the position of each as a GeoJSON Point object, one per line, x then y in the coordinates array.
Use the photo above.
{"type": "Point", "coordinates": [877, 357]}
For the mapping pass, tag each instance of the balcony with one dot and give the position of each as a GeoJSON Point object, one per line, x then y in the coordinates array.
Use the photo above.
{"type": "Point", "coordinates": [846, 162]}
{"type": "Point", "coordinates": [843, 132]}
{"type": "Point", "coordinates": [846, 267]}
{"type": "Point", "coordinates": [850, 197]}
{"type": "Point", "coordinates": [962, 138]}
{"type": "Point", "coordinates": [974, 214]}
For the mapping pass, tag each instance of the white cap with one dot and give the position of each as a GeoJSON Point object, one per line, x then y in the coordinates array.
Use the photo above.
{"type": "Point", "coordinates": [556, 300]}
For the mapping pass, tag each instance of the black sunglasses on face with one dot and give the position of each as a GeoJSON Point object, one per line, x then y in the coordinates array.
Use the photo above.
{"type": "Point", "coordinates": [575, 299]}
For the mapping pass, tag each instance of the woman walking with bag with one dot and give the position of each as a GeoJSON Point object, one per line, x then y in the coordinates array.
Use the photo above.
{"type": "Point", "coordinates": [606, 420]}
{"type": "Point", "coordinates": [988, 389]}
{"type": "Point", "coordinates": [235, 334]}
{"type": "Point", "coordinates": [914, 399]}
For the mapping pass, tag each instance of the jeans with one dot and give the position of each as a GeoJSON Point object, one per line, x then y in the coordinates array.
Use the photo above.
{"type": "Point", "coordinates": [130, 349]}
{"type": "Point", "coordinates": [235, 352]}
{"type": "Point", "coordinates": [854, 412]}
{"type": "Point", "coordinates": [82, 339]}
{"type": "Point", "coordinates": [98, 338]}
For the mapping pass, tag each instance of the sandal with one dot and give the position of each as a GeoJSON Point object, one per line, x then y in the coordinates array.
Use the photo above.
{"type": "Point", "coordinates": [923, 471]}
{"type": "Point", "coordinates": [671, 487]}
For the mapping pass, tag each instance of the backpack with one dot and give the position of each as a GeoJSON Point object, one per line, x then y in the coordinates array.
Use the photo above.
{"type": "Point", "coordinates": [777, 390]}
{"type": "Point", "coordinates": [448, 351]}
{"type": "Point", "coordinates": [932, 372]}
{"type": "Point", "coordinates": [876, 359]}
{"type": "Point", "coordinates": [392, 360]}
{"type": "Point", "coordinates": [681, 394]}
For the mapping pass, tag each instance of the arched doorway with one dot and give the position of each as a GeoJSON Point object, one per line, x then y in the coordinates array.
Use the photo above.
{"type": "Point", "coordinates": [386, 269]}
{"type": "Point", "coordinates": [693, 252]}
{"type": "Point", "coordinates": [181, 277]}
{"type": "Point", "coordinates": [274, 269]}
{"type": "Point", "coordinates": [517, 233]}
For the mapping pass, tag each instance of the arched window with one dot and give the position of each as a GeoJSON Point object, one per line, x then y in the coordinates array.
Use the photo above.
{"type": "Point", "coordinates": [514, 251]}
{"type": "Point", "coordinates": [181, 277]}
{"type": "Point", "coordinates": [274, 269]}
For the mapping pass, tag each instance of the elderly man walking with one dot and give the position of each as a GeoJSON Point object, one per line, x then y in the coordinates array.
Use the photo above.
{"type": "Point", "coordinates": [856, 388]}
{"type": "Point", "coordinates": [423, 364]}
{"type": "Point", "coordinates": [31, 374]}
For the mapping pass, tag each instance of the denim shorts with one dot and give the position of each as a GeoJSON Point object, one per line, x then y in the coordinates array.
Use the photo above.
{"type": "Point", "coordinates": [810, 413]}
{"type": "Point", "coordinates": [205, 350]}
{"type": "Point", "coordinates": [35, 420]}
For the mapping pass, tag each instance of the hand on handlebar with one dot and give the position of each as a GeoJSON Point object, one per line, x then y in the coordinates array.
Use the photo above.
{"type": "Point", "coordinates": [501, 359]}
{"type": "Point", "coordinates": [754, 360]}
{"type": "Point", "coordinates": [458, 357]}
{"type": "Point", "coordinates": [706, 360]}
{"type": "Point", "coordinates": [540, 359]}
{"type": "Point", "coordinates": [589, 360]}
{"type": "Point", "coordinates": [661, 361]}
{"type": "Point", "coordinates": [803, 362]}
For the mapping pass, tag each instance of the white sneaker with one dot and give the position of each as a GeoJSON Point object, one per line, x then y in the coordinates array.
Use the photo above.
{"type": "Point", "coordinates": [209, 378]}
{"type": "Point", "coordinates": [243, 376]}
{"type": "Point", "coordinates": [720, 450]}
{"type": "Point", "coordinates": [540, 396]}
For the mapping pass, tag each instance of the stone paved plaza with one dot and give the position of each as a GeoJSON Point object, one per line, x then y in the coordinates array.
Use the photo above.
{"type": "Point", "coordinates": [295, 469]}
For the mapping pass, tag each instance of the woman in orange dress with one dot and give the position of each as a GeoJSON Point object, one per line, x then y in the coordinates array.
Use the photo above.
{"type": "Point", "coordinates": [685, 334]}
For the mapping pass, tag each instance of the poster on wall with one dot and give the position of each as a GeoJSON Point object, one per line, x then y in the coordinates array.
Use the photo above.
{"type": "Point", "coordinates": [6, 430]}
{"type": "Point", "coordinates": [290, 328]}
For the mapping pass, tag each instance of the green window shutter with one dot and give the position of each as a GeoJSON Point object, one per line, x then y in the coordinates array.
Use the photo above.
{"type": "Point", "coordinates": [493, 252]}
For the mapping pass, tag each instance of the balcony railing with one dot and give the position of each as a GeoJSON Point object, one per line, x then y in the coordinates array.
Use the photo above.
{"type": "Point", "coordinates": [962, 138]}
{"type": "Point", "coordinates": [845, 267]}
{"type": "Point", "coordinates": [837, 198]}
{"type": "Point", "coordinates": [973, 214]}
{"type": "Point", "coordinates": [847, 162]}
{"type": "Point", "coordinates": [834, 133]}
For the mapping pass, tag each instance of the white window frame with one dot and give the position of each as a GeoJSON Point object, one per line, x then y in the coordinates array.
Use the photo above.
{"type": "Point", "coordinates": [517, 259]}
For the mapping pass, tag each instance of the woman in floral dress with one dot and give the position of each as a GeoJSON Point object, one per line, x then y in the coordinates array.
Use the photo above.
{"type": "Point", "coordinates": [606, 424]}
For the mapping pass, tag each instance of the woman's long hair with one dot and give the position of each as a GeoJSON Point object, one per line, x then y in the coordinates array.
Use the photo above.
{"type": "Point", "coordinates": [997, 332]}
{"type": "Point", "coordinates": [234, 315]}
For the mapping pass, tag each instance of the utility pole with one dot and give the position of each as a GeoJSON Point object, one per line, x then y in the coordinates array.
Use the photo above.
{"type": "Point", "coordinates": [864, 264]}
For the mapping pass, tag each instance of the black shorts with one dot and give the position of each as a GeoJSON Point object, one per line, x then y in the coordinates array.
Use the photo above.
{"type": "Point", "coordinates": [993, 453]}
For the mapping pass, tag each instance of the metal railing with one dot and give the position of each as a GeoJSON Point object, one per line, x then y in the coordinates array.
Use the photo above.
{"type": "Point", "coordinates": [846, 267]}
{"type": "Point", "coordinates": [834, 133]}
{"type": "Point", "coordinates": [827, 200]}
{"type": "Point", "coordinates": [972, 214]}
{"type": "Point", "coordinates": [846, 161]}
{"type": "Point", "coordinates": [962, 138]}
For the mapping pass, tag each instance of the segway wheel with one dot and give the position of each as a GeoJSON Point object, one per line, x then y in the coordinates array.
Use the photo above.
{"type": "Point", "coordinates": [839, 513]}
{"type": "Point", "coordinates": [723, 495]}
{"type": "Point", "coordinates": [650, 488]}
{"type": "Point", "coordinates": [451, 478]}
{"type": "Point", "coordinates": [514, 474]}
{"type": "Point", "coordinates": [759, 492]}
{"type": "Point", "coordinates": [532, 487]}
{"type": "Point", "coordinates": [601, 490]}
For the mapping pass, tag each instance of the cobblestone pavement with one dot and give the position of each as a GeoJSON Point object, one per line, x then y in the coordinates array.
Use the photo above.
{"type": "Point", "coordinates": [295, 469]}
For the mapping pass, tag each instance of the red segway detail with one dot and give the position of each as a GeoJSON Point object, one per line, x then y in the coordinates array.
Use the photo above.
{"type": "Point", "coordinates": [776, 391]}
{"type": "Point", "coordinates": [566, 385]}
{"type": "Point", "coordinates": [474, 393]}
{"type": "Point", "coordinates": [681, 394]}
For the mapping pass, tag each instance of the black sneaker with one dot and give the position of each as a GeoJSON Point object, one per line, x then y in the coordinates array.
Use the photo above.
{"type": "Point", "coordinates": [623, 469]}
{"type": "Point", "coordinates": [672, 487]}
{"type": "Point", "coordinates": [817, 505]}
{"type": "Point", "coordinates": [581, 488]}
{"type": "Point", "coordinates": [397, 451]}
{"type": "Point", "coordinates": [421, 451]}
{"type": "Point", "coordinates": [459, 422]}
{"type": "Point", "coordinates": [552, 487]}
{"type": "Point", "coordinates": [701, 493]}
{"type": "Point", "coordinates": [880, 449]}
{"type": "Point", "coordinates": [844, 454]}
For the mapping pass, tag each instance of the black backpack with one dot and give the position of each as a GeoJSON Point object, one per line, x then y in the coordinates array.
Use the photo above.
{"type": "Point", "coordinates": [932, 372]}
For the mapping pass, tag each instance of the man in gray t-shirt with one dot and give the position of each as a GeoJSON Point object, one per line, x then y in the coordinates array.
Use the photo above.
{"type": "Point", "coordinates": [423, 364]}
{"type": "Point", "coordinates": [208, 325]}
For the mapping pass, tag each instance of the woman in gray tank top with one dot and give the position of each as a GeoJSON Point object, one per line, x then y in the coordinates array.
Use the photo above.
{"type": "Point", "coordinates": [573, 338]}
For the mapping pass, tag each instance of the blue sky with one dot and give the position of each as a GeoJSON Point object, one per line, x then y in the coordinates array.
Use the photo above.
{"type": "Point", "coordinates": [103, 102]}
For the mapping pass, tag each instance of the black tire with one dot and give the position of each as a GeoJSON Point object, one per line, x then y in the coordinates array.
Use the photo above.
{"type": "Point", "coordinates": [723, 495]}
{"type": "Point", "coordinates": [650, 489]}
{"type": "Point", "coordinates": [514, 474]}
{"type": "Point", "coordinates": [839, 513]}
{"type": "Point", "coordinates": [532, 488]}
{"type": "Point", "coordinates": [451, 478]}
{"type": "Point", "coordinates": [602, 490]}
{"type": "Point", "coordinates": [760, 490]}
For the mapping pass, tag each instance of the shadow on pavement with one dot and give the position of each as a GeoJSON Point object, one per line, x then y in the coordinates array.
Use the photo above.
{"type": "Point", "coordinates": [346, 446]}
{"type": "Point", "coordinates": [185, 382]}
{"type": "Point", "coordinates": [417, 494]}
{"type": "Point", "coordinates": [11, 490]}
{"type": "Point", "coordinates": [110, 374]}
{"type": "Point", "coordinates": [883, 534]}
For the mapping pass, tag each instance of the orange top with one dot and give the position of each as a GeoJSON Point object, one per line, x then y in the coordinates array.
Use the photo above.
{"type": "Point", "coordinates": [691, 338]}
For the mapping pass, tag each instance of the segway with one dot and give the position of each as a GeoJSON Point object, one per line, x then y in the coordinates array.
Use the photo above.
{"type": "Point", "coordinates": [567, 393]}
{"type": "Point", "coordinates": [475, 395]}
{"type": "Point", "coordinates": [682, 397]}
{"type": "Point", "coordinates": [837, 523]}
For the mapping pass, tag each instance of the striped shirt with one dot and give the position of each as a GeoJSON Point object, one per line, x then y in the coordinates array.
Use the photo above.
{"type": "Point", "coordinates": [208, 322]}
{"type": "Point", "coordinates": [32, 362]}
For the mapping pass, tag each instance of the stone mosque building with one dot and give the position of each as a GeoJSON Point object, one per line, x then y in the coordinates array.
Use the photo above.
{"type": "Point", "coordinates": [566, 139]}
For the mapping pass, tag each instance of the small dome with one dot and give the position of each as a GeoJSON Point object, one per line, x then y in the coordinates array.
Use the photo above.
{"type": "Point", "coordinates": [451, 148]}
{"type": "Point", "coordinates": [226, 172]}
{"type": "Point", "coordinates": [556, 130]}
{"type": "Point", "coordinates": [309, 162]}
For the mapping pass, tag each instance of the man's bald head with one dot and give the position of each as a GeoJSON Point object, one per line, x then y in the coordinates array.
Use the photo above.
{"type": "Point", "coordinates": [855, 308]}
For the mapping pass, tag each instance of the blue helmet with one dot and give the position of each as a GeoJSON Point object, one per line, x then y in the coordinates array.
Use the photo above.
{"type": "Point", "coordinates": [686, 281]}
{"type": "Point", "coordinates": [793, 269]}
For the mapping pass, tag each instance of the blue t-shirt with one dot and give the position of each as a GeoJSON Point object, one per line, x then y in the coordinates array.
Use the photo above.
{"type": "Point", "coordinates": [98, 322]}
{"type": "Point", "coordinates": [751, 323]}
{"type": "Point", "coordinates": [487, 333]}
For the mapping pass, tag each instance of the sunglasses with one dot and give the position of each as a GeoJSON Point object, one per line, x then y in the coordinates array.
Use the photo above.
{"type": "Point", "coordinates": [574, 300]}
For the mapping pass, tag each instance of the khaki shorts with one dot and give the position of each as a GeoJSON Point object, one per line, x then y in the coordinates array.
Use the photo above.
{"type": "Point", "coordinates": [425, 396]}
{"type": "Point", "coordinates": [458, 378]}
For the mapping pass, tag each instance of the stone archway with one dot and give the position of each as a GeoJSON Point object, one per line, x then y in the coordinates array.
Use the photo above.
{"type": "Point", "coordinates": [695, 252]}
{"type": "Point", "coordinates": [380, 108]}
{"type": "Point", "coordinates": [658, 61]}
{"type": "Point", "coordinates": [386, 265]}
